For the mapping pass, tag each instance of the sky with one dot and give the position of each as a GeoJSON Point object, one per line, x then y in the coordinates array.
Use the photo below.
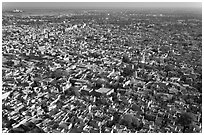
{"type": "Point", "coordinates": [75, 5]}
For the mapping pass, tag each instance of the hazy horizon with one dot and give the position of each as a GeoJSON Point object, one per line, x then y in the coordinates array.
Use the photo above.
{"type": "Point", "coordinates": [100, 5]}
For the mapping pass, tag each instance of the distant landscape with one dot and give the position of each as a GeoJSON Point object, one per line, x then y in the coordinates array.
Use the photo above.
{"type": "Point", "coordinates": [81, 69]}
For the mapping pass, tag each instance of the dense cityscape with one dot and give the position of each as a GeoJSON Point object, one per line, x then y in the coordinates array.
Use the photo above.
{"type": "Point", "coordinates": [102, 71]}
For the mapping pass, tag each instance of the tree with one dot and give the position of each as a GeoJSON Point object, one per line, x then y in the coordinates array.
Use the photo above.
{"type": "Point", "coordinates": [127, 71]}
{"type": "Point", "coordinates": [126, 59]}
{"type": "Point", "coordinates": [185, 120]}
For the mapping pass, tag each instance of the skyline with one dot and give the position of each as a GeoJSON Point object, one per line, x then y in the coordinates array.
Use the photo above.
{"type": "Point", "coordinates": [99, 5]}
